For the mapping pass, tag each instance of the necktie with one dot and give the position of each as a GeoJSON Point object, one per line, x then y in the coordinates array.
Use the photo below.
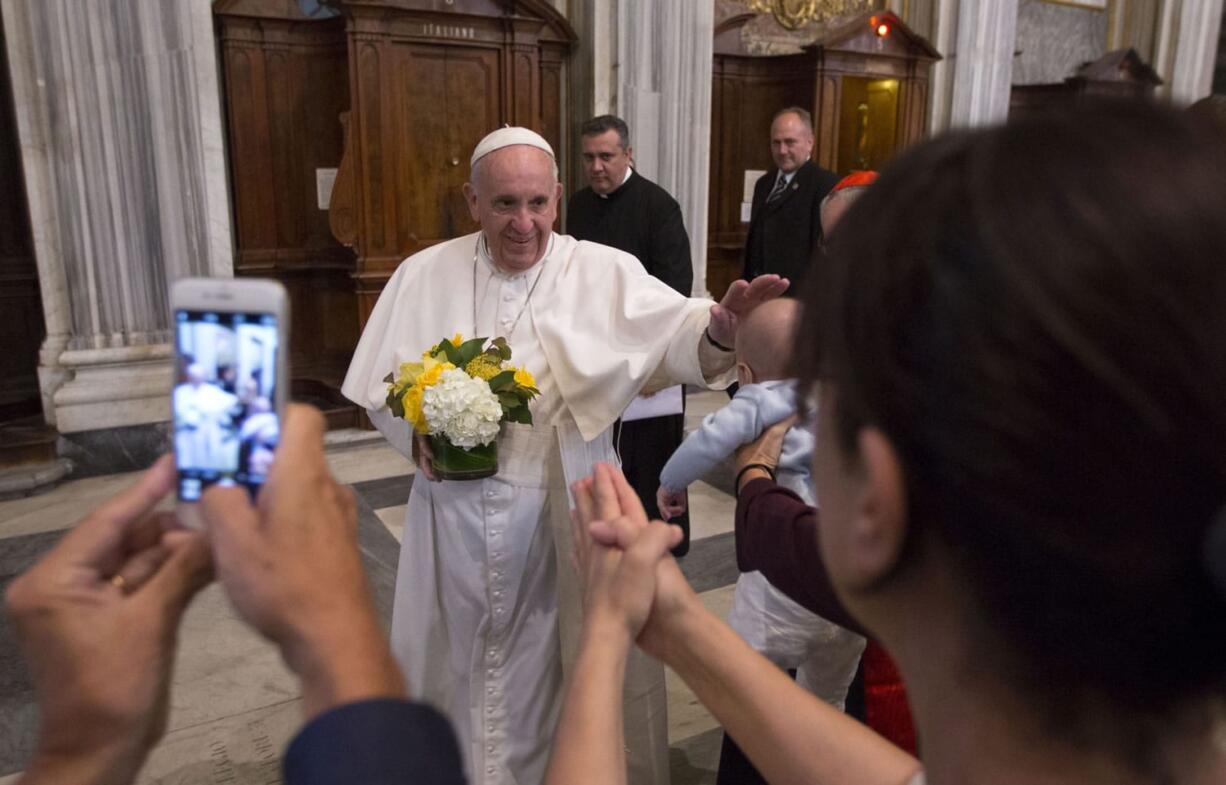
{"type": "Point", "coordinates": [780, 186]}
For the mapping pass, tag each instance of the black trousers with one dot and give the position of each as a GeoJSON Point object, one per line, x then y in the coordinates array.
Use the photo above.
{"type": "Point", "coordinates": [645, 446]}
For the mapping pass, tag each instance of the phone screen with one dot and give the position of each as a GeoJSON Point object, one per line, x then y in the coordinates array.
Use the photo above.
{"type": "Point", "coordinates": [224, 400]}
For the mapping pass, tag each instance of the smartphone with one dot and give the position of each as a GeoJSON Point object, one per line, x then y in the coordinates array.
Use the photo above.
{"type": "Point", "coordinates": [231, 381]}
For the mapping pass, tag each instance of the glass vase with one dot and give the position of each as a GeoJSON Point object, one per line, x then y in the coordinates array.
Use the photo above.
{"type": "Point", "coordinates": [460, 463]}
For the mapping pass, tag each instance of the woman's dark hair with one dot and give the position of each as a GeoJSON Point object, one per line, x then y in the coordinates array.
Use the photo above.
{"type": "Point", "coordinates": [1035, 316]}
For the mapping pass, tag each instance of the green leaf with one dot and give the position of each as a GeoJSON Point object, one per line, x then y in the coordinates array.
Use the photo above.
{"type": "Point", "coordinates": [520, 415]}
{"type": "Point", "coordinates": [396, 405]}
{"type": "Point", "coordinates": [470, 349]}
{"type": "Point", "coordinates": [453, 354]}
{"type": "Point", "coordinates": [503, 381]}
{"type": "Point", "coordinates": [389, 379]}
{"type": "Point", "coordinates": [504, 351]}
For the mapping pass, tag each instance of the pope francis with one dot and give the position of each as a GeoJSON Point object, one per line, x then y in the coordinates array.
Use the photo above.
{"type": "Point", "coordinates": [488, 608]}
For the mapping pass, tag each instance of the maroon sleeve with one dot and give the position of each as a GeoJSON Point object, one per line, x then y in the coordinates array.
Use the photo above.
{"type": "Point", "coordinates": [776, 534]}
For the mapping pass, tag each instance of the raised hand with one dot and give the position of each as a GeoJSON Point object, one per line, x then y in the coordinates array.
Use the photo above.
{"type": "Point", "coordinates": [741, 298]}
{"type": "Point", "coordinates": [671, 503]}
{"type": "Point", "coordinates": [97, 619]}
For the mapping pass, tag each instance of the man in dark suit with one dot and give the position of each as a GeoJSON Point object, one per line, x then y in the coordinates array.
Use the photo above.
{"type": "Point", "coordinates": [785, 222]}
{"type": "Point", "coordinates": [625, 210]}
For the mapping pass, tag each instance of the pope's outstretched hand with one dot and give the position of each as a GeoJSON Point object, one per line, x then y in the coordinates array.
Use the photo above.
{"type": "Point", "coordinates": [741, 298]}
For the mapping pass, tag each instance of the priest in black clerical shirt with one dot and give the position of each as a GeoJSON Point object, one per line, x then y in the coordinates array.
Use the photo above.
{"type": "Point", "coordinates": [625, 210]}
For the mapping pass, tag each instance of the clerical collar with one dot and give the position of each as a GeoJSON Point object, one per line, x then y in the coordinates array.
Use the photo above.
{"type": "Point", "coordinates": [626, 179]}
{"type": "Point", "coordinates": [483, 253]}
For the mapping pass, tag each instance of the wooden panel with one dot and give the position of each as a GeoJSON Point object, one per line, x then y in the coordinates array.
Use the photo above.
{"type": "Point", "coordinates": [21, 327]}
{"type": "Point", "coordinates": [473, 110]}
{"type": "Point", "coordinates": [461, 85]}
{"type": "Point", "coordinates": [429, 169]}
{"type": "Point", "coordinates": [373, 143]}
{"type": "Point", "coordinates": [286, 84]}
{"type": "Point", "coordinates": [251, 169]}
{"type": "Point", "coordinates": [550, 121]}
{"type": "Point", "coordinates": [826, 118]}
{"type": "Point", "coordinates": [525, 87]}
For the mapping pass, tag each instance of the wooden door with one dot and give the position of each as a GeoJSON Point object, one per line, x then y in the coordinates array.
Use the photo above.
{"type": "Point", "coordinates": [451, 98]}
{"type": "Point", "coordinates": [21, 326]}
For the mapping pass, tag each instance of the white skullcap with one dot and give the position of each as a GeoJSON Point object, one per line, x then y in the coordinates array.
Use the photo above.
{"type": "Point", "coordinates": [505, 137]}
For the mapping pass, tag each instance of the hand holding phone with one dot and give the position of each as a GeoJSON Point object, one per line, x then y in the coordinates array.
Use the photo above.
{"type": "Point", "coordinates": [230, 381]}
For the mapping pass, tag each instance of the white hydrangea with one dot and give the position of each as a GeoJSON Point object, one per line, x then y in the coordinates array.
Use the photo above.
{"type": "Point", "coordinates": [462, 408]}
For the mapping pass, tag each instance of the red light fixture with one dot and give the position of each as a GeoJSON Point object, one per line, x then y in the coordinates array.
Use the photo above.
{"type": "Point", "coordinates": [883, 30]}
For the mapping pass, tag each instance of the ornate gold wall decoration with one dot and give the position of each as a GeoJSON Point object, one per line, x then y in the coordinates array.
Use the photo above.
{"type": "Point", "coordinates": [795, 14]}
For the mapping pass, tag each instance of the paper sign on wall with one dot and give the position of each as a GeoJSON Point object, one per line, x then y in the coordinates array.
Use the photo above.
{"type": "Point", "coordinates": [324, 180]}
{"type": "Point", "coordinates": [751, 179]}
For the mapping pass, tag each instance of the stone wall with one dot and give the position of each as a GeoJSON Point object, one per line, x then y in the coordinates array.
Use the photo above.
{"type": "Point", "coordinates": [1054, 39]}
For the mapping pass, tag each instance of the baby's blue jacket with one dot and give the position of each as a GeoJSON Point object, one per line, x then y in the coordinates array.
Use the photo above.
{"type": "Point", "coordinates": [753, 409]}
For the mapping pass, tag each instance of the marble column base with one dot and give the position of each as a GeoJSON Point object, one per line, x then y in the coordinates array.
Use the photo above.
{"type": "Point", "coordinates": [109, 388]}
{"type": "Point", "coordinates": [105, 451]}
{"type": "Point", "coordinates": [28, 480]}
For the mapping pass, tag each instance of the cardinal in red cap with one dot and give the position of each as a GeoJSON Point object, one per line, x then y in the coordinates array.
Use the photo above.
{"type": "Point", "coordinates": [841, 196]}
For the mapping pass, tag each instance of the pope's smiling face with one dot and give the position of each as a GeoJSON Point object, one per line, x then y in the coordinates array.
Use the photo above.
{"type": "Point", "coordinates": [514, 195]}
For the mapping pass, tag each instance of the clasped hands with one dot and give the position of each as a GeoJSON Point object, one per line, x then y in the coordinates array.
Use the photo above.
{"type": "Point", "coordinates": [633, 588]}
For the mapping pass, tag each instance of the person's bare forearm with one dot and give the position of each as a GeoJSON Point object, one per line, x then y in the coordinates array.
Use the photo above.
{"type": "Point", "coordinates": [589, 745]}
{"type": "Point", "coordinates": [792, 737]}
{"type": "Point", "coordinates": [344, 665]}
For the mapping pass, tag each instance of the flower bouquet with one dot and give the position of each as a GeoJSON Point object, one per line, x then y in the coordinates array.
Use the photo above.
{"type": "Point", "coordinates": [458, 396]}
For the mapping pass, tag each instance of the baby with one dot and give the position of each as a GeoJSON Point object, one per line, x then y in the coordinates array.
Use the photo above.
{"type": "Point", "coordinates": [824, 655]}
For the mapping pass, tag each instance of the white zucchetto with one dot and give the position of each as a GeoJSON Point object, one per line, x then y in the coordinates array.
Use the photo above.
{"type": "Point", "coordinates": [505, 137]}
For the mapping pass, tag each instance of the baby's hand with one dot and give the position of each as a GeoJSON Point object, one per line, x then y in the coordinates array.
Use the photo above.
{"type": "Point", "coordinates": [671, 503]}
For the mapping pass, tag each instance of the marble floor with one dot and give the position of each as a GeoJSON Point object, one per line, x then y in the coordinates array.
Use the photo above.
{"type": "Point", "coordinates": [234, 705]}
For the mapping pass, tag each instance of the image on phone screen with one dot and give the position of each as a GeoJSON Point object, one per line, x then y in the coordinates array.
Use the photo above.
{"type": "Point", "coordinates": [225, 419]}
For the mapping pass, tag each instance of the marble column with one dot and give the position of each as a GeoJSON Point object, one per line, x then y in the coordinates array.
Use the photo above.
{"type": "Point", "coordinates": [945, 39]}
{"type": "Point", "coordinates": [984, 64]}
{"type": "Point", "coordinates": [1194, 42]}
{"type": "Point", "coordinates": [593, 72]}
{"type": "Point", "coordinates": [120, 127]}
{"type": "Point", "coordinates": [664, 57]}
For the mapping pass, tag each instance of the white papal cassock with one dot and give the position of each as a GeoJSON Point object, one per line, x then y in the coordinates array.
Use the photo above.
{"type": "Point", "coordinates": [488, 607]}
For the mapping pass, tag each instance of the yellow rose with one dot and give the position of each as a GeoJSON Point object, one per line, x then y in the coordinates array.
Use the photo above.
{"type": "Point", "coordinates": [523, 378]}
{"type": "Point", "coordinates": [432, 374]}
{"type": "Point", "coordinates": [411, 400]}
{"type": "Point", "coordinates": [406, 375]}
